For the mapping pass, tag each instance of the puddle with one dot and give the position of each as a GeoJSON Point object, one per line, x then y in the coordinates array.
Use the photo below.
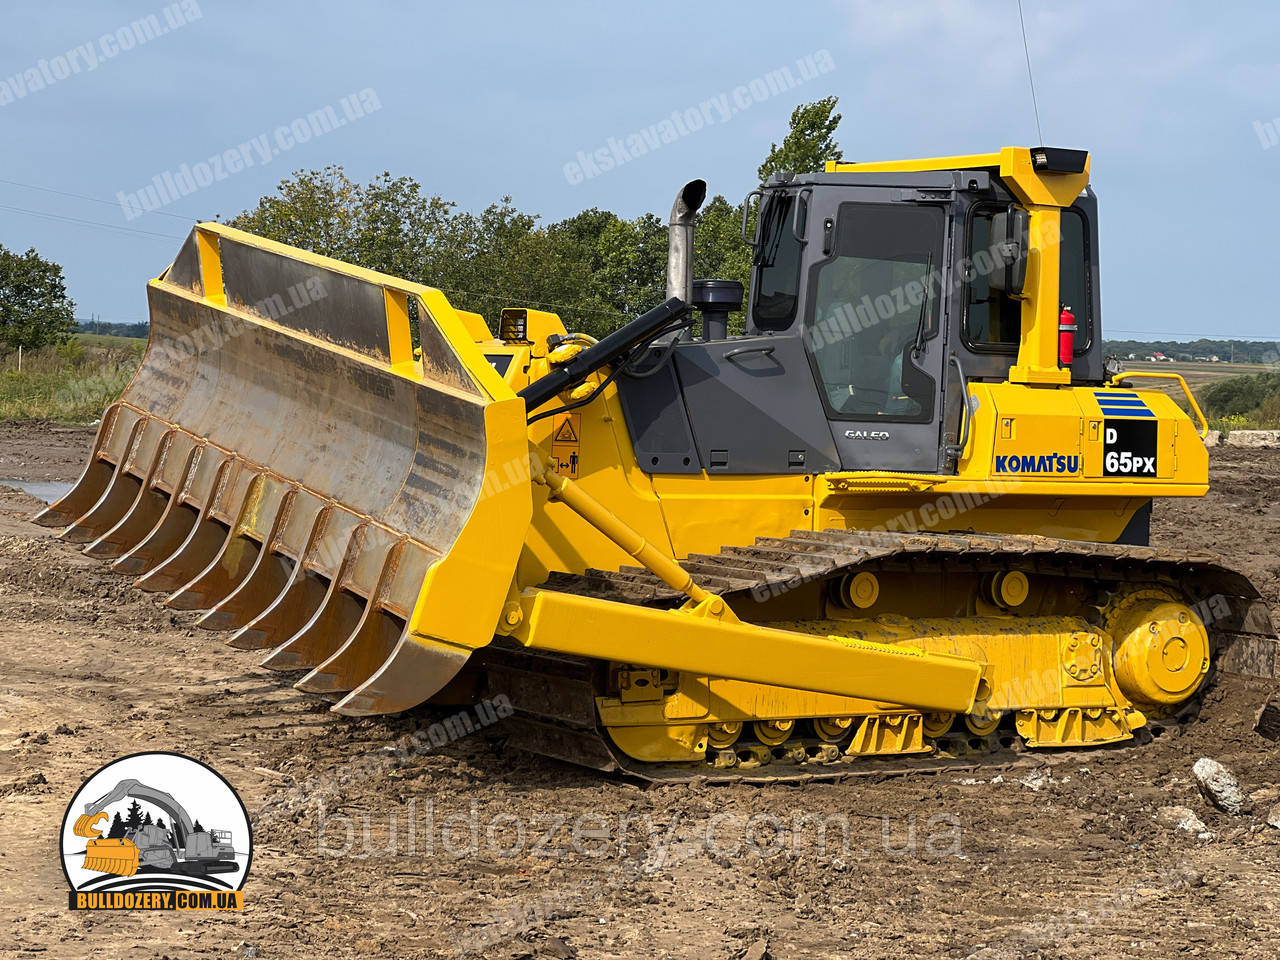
{"type": "Point", "coordinates": [46, 490]}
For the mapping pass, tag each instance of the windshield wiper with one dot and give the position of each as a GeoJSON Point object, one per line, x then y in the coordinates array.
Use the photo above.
{"type": "Point", "coordinates": [918, 348]}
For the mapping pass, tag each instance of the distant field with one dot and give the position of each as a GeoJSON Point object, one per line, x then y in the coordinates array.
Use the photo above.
{"type": "Point", "coordinates": [106, 340]}
{"type": "Point", "coordinates": [1197, 375]}
{"type": "Point", "coordinates": [72, 382]}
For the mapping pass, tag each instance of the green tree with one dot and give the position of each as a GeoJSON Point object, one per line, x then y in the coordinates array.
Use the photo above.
{"type": "Point", "coordinates": [387, 224]}
{"type": "Point", "coordinates": [34, 306]}
{"type": "Point", "coordinates": [809, 143]}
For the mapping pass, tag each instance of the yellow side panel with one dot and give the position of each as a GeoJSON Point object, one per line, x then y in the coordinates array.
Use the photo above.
{"type": "Point", "coordinates": [705, 513]}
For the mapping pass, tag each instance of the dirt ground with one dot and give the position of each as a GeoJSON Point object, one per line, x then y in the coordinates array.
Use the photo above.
{"type": "Point", "coordinates": [451, 848]}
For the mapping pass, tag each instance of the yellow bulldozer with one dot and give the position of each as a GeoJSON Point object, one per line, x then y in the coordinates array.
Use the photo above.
{"type": "Point", "coordinates": [899, 521]}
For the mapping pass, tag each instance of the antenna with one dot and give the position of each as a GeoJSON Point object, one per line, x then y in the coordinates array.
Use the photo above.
{"type": "Point", "coordinates": [1030, 78]}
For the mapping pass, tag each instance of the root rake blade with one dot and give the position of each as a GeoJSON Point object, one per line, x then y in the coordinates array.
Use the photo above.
{"type": "Point", "coordinates": [112, 856]}
{"type": "Point", "coordinates": [284, 462]}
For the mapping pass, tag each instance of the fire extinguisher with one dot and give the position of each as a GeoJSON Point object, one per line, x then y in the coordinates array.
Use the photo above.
{"type": "Point", "coordinates": [1066, 337]}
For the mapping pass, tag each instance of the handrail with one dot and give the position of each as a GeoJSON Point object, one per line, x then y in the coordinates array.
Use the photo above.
{"type": "Point", "coordinates": [1151, 375]}
{"type": "Point", "coordinates": [957, 449]}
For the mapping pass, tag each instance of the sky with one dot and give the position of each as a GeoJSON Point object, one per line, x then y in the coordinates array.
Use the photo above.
{"type": "Point", "coordinates": [1179, 104]}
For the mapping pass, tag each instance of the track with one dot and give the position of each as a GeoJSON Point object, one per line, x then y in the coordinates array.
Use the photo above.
{"type": "Point", "coordinates": [555, 695]}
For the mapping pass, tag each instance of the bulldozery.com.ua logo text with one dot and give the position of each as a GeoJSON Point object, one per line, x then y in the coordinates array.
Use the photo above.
{"type": "Point", "coordinates": [134, 838]}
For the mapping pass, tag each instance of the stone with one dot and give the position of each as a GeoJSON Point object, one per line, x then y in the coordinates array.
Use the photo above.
{"type": "Point", "coordinates": [1220, 787]}
{"type": "Point", "coordinates": [1184, 819]}
{"type": "Point", "coordinates": [1273, 818]}
{"type": "Point", "coordinates": [1254, 439]}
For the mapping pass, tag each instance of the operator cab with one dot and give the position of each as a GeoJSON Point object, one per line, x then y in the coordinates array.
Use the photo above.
{"type": "Point", "coordinates": [875, 296]}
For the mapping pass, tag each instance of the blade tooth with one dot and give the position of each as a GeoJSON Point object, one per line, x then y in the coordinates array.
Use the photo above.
{"type": "Point", "coordinates": [417, 669]}
{"type": "Point", "coordinates": [117, 420]}
{"type": "Point", "coordinates": [201, 546]}
{"type": "Point", "coordinates": [120, 493]}
{"type": "Point", "coordinates": [177, 522]}
{"type": "Point", "coordinates": [296, 604]}
{"type": "Point", "coordinates": [339, 613]}
{"type": "Point", "coordinates": [226, 571]}
{"type": "Point", "coordinates": [304, 592]}
{"type": "Point", "coordinates": [339, 616]}
{"type": "Point", "coordinates": [141, 519]}
{"type": "Point", "coordinates": [269, 578]}
{"type": "Point", "coordinates": [370, 644]}
{"type": "Point", "coordinates": [206, 537]}
{"type": "Point", "coordinates": [143, 516]}
{"type": "Point", "coordinates": [255, 518]}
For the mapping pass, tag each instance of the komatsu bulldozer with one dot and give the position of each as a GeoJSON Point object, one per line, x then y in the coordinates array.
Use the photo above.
{"type": "Point", "coordinates": [900, 519]}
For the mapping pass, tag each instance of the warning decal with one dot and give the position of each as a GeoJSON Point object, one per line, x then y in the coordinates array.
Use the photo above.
{"type": "Point", "coordinates": [565, 432]}
{"type": "Point", "coordinates": [566, 443]}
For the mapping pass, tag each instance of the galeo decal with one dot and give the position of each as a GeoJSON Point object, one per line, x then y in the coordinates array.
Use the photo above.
{"type": "Point", "coordinates": [1038, 463]}
{"type": "Point", "coordinates": [867, 434]}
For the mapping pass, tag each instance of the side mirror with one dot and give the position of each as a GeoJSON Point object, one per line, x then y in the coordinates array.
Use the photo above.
{"type": "Point", "coordinates": [1010, 243]}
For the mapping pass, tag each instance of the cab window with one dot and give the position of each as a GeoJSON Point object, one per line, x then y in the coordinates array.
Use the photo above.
{"type": "Point", "coordinates": [777, 263]}
{"type": "Point", "coordinates": [872, 303]}
{"type": "Point", "coordinates": [993, 320]}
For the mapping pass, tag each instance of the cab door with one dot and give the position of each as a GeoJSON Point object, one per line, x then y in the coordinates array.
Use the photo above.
{"type": "Point", "coordinates": [873, 310]}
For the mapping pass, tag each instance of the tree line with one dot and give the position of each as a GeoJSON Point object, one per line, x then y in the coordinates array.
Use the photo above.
{"type": "Point", "coordinates": [595, 268]}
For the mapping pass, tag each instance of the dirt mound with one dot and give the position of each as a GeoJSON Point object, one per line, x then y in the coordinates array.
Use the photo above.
{"type": "Point", "coordinates": [45, 580]}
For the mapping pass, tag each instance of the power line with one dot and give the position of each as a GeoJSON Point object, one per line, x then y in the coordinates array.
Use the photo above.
{"type": "Point", "coordinates": [57, 217]}
{"type": "Point", "coordinates": [81, 196]}
{"type": "Point", "coordinates": [1030, 79]}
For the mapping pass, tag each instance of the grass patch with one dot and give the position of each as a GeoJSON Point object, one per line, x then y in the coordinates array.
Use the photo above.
{"type": "Point", "coordinates": [1245, 403]}
{"type": "Point", "coordinates": [73, 382]}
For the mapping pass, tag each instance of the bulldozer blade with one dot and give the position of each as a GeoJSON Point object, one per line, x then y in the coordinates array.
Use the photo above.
{"type": "Point", "coordinates": [112, 856]}
{"type": "Point", "coordinates": [285, 462]}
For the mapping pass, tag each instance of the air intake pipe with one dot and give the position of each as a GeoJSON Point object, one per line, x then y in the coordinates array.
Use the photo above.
{"type": "Point", "coordinates": [715, 300]}
{"type": "Point", "coordinates": [680, 240]}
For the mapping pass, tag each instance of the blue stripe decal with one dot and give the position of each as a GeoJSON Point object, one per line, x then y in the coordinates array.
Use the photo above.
{"type": "Point", "coordinates": [1101, 394]}
{"type": "Point", "coordinates": [1121, 402]}
{"type": "Point", "coordinates": [1127, 412]}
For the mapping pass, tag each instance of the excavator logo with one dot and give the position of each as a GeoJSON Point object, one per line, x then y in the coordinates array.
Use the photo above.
{"type": "Point", "coordinates": [133, 837]}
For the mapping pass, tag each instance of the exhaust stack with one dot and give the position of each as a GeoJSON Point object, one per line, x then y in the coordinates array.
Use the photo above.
{"type": "Point", "coordinates": [680, 240]}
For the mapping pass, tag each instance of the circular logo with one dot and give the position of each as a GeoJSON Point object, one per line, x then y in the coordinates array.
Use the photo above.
{"type": "Point", "coordinates": [156, 831]}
